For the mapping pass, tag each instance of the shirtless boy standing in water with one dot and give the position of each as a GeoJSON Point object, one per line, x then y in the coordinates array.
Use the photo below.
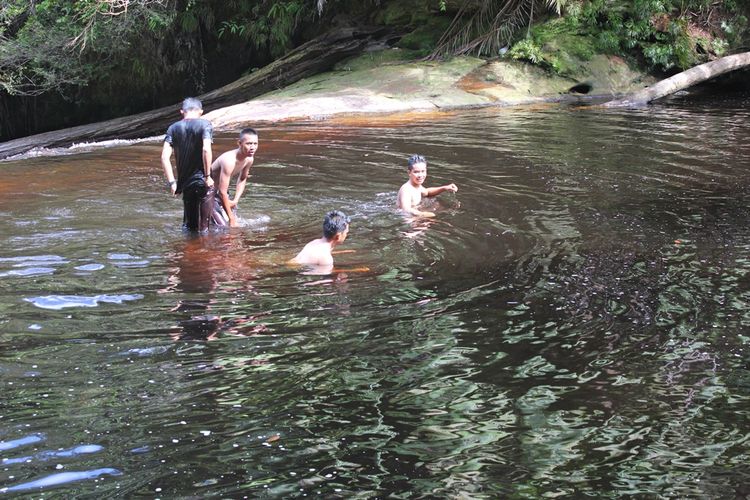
{"type": "Point", "coordinates": [411, 193]}
{"type": "Point", "coordinates": [234, 163]}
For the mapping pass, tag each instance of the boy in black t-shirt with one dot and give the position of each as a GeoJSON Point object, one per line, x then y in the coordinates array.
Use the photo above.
{"type": "Point", "coordinates": [190, 139]}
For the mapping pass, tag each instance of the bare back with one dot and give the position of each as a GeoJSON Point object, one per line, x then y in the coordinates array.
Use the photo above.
{"type": "Point", "coordinates": [315, 253]}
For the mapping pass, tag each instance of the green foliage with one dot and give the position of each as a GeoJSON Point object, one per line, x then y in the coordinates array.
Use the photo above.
{"type": "Point", "coordinates": [667, 35]}
{"type": "Point", "coordinates": [662, 32]}
{"type": "Point", "coordinates": [527, 50]}
{"type": "Point", "coordinates": [717, 46]}
{"type": "Point", "coordinates": [62, 45]}
{"type": "Point", "coordinates": [489, 26]}
{"type": "Point", "coordinates": [554, 45]}
{"type": "Point", "coordinates": [38, 58]}
{"type": "Point", "coordinates": [94, 59]}
{"type": "Point", "coordinates": [270, 26]}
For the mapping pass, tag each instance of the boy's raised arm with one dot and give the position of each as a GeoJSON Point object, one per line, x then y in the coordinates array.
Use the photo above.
{"type": "Point", "coordinates": [434, 191]}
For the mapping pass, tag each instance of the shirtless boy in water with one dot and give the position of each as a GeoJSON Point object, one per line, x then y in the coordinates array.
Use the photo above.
{"type": "Point", "coordinates": [317, 253]}
{"type": "Point", "coordinates": [234, 163]}
{"type": "Point", "coordinates": [411, 193]}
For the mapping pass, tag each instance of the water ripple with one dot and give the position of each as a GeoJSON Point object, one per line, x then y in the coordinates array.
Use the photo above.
{"type": "Point", "coordinates": [58, 302]}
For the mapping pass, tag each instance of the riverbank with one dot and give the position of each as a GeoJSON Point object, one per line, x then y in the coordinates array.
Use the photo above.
{"type": "Point", "coordinates": [383, 82]}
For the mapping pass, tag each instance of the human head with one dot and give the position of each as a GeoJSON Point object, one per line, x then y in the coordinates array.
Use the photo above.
{"type": "Point", "coordinates": [335, 226]}
{"type": "Point", "coordinates": [191, 103]}
{"type": "Point", "coordinates": [191, 108]}
{"type": "Point", "coordinates": [246, 131]}
{"type": "Point", "coordinates": [414, 159]}
{"type": "Point", "coordinates": [417, 170]}
{"type": "Point", "coordinates": [248, 141]}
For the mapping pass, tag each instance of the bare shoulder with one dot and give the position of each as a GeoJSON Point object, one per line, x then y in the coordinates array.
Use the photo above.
{"type": "Point", "coordinates": [219, 161]}
{"type": "Point", "coordinates": [402, 193]}
{"type": "Point", "coordinates": [227, 157]}
{"type": "Point", "coordinates": [312, 254]}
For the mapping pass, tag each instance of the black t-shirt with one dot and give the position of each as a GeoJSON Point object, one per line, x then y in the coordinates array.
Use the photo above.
{"type": "Point", "coordinates": [186, 138]}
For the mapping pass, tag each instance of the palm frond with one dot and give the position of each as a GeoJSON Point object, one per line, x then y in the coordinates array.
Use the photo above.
{"type": "Point", "coordinates": [491, 26]}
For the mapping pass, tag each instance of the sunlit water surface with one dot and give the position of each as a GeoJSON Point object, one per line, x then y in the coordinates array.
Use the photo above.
{"type": "Point", "coordinates": [573, 322]}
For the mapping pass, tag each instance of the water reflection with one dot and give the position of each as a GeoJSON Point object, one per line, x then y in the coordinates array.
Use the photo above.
{"type": "Point", "coordinates": [197, 266]}
{"type": "Point", "coordinates": [572, 323]}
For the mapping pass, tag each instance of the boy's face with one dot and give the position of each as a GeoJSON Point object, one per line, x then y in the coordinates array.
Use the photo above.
{"type": "Point", "coordinates": [343, 234]}
{"type": "Point", "coordinates": [248, 144]}
{"type": "Point", "coordinates": [418, 174]}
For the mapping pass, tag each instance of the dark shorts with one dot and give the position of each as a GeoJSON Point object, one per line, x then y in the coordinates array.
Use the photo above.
{"type": "Point", "coordinates": [219, 215]}
{"type": "Point", "coordinates": [198, 201]}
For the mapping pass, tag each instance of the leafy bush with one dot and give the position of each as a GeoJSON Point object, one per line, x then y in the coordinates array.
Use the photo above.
{"type": "Point", "coordinates": [527, 50]}
{"type": "Point", "coordinates": [554, 45]}
{"type": "Point", "coordinates": [662, 32]}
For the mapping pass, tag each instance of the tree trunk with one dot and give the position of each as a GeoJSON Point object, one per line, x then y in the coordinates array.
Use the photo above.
{"type": "Point", "coordinates": [313, 57]}
{"type": "Point", "coordinates": [683, 80]}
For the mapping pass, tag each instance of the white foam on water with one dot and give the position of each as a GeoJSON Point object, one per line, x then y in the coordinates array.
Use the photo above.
{"type": "Point", "coordinates": [90, 267]}
{"type": "Point", "coordinates": [80, 147]}
{"type": "Point", "coordinates": [28, 271]}
{"type": "Point", "coordinates": [31, 260]}
{"type": "Point", "coordinates": [58, 302]}
{"type": "Point", "coordinates": [254, 222]}
{"type": "Point", "coordinates": [31, 265]}
{"type": "Point", "coordinates": [127, 260]}
{"type": "Point", "coordinates": [62, 478]}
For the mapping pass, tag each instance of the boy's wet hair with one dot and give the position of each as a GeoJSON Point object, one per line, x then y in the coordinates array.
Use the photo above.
{"type": "Point", "coordinates": [414, 159]}
{"type": "Point", "coordinates": [334, 223]}
{"type": "Point", "coordinates": [248, 131]}
{"type": "Point", "coordinates": [191, 103]}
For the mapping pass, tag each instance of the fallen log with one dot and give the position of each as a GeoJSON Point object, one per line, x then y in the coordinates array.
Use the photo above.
{"type": "Point", "coordinates": [313, 57]}
{"type": "Point", "coordinates": [683, 80]}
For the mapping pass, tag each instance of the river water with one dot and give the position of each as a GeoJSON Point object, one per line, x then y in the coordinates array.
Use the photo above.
{"type": "Point", "coordinates": [574, 321]}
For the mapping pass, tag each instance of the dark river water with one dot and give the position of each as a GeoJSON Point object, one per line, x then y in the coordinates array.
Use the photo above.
{"type": "Point", "coordinates": [573, 322]}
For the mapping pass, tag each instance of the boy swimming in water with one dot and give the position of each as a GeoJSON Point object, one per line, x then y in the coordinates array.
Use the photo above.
{"type": "Point", "coordinates": [317, 253]}
{"type": "Point", "coordinates": [411, 193]}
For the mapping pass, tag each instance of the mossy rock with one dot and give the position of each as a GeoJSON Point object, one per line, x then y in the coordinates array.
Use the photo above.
{"type": "Point", "coordinates": [568, 54]}
{"type": "Point", "coordinates": [377, 58]}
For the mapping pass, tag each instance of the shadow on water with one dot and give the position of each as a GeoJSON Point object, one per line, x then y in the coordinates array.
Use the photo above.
{"type": "Point", "coordinates": [573, 322]}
